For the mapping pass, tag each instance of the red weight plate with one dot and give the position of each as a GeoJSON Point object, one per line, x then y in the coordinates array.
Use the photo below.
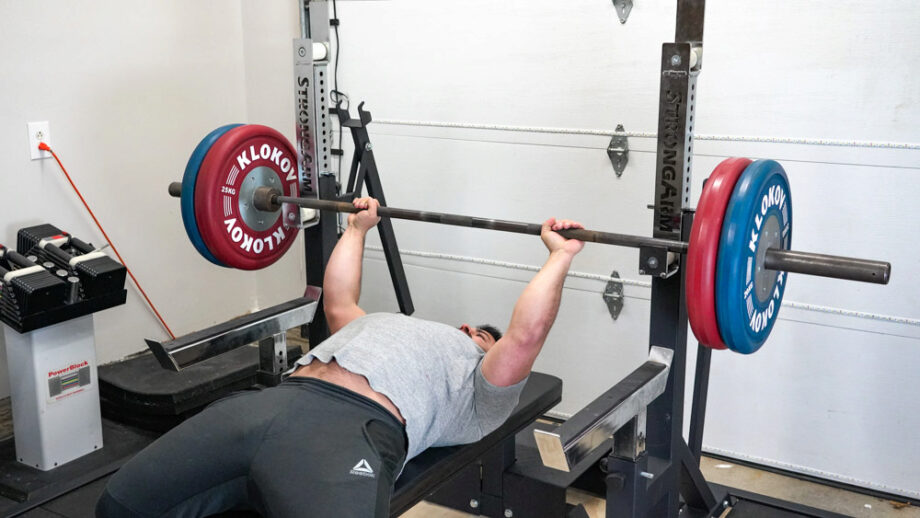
{"type": "Point", "coordinates": [235, 232]}
{"type": "Point", "coordinates": [704, 251]}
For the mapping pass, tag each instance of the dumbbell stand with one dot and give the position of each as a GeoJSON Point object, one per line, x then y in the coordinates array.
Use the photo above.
{"type": "Point", "coordinates": [54, 392]}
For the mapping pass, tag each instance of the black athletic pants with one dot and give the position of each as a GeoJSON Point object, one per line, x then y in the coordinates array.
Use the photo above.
{"type": "Point", "coordinates": [304, 448]}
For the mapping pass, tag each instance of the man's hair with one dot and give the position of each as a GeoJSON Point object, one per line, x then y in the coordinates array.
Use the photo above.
{"type": "Point", "coordinates": [492, 330]}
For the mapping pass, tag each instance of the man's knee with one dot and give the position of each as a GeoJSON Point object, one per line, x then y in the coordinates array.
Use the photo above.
{"type": "Point", "coordinates": [126, 492]}
{"type": "Point", "coordinates": [109, 507]}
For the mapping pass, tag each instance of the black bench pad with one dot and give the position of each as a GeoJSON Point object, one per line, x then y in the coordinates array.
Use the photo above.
{"type": "Point", "coordinates": [434, 466]}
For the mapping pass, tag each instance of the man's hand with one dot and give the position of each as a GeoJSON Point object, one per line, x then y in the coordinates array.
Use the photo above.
{"type": "Point", "coordinates": [367, 218]}
{"type": "Point", "coordinates": [555, 242]}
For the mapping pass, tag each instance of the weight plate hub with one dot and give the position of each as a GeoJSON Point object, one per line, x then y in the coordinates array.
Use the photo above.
{"type": "Point", "coordinates": [238, 234]}
{"type": "Point", "coordinates": [704, 251]}
{"type": "Point", "coordinates": [758, 217]}
{"type": "Point", "coordinates": [187, 201]}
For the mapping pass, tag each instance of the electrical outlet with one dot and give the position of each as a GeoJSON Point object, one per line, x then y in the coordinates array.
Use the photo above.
{"type": "Point", "coordinates": [39, 132]}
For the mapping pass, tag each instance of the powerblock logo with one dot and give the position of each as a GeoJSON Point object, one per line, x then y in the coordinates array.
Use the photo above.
{"type": "Point", "coordinates": [69, 380]}
{"type": "Point", "coordinates": [70, 368]}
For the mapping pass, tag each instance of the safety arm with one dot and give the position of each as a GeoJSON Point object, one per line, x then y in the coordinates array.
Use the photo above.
{"type": "Point", "coordinates": [511, 358]}
{"type": "Point", "coordinates": [342, 281]}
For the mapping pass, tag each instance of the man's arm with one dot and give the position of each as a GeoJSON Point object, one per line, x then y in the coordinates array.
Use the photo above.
{"type": "Point", "coordinates": [342, 282]}
{"type": "Point", "coordinates": [511, 358]}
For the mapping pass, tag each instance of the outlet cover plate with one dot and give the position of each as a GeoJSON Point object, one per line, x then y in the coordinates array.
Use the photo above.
{"type": "Point", "coordinates": [39, 132]}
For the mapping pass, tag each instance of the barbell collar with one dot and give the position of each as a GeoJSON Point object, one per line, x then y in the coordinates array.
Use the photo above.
{"type": "Point", "coordinates": [821, 265]}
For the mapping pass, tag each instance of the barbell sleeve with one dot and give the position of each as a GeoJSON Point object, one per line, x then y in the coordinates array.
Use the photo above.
{"type": "Point", "coordinates": [821, 265]}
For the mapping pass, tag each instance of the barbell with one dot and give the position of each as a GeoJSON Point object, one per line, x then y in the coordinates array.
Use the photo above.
{"type": "Point", "coordinates": [240, 190]}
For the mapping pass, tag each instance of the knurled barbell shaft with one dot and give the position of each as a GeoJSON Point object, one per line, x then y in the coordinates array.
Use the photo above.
{"type": "Point", "coordinates": [593, 236]}
{"type": "Point", "coordinates": [821, 265]}
{"type": "Point", "coordinates": [838, 267]}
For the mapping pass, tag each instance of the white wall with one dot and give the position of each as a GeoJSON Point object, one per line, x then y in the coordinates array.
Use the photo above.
{"type": "Point", "coordinates": [129, 90]}
{"type": "Point", "coordinates": [830, 394]}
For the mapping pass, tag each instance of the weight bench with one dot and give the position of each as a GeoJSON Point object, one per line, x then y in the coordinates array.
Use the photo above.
{"type": "Point", "coordinates": [424, 474]}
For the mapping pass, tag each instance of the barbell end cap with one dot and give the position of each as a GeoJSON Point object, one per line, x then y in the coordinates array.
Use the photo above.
{"type": "Point", "coordinates": [175, 189]}
{"type": "Point", "coordinates": [265, 199]}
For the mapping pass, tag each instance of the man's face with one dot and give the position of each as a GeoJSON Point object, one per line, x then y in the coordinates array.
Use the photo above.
{"type": "Point", "coordinates": [483, 339]}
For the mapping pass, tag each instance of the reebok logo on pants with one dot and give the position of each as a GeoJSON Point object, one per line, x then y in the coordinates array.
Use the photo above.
{"type": "Point", "coordinates": [362, 469]}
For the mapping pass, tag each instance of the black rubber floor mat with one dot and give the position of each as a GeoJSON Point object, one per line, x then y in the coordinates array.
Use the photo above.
{"type": "Point", "coordinates": [23, 487]}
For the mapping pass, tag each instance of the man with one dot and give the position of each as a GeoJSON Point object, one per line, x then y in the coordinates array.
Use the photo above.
{"type": "Point", "coordinates": [333, 437]}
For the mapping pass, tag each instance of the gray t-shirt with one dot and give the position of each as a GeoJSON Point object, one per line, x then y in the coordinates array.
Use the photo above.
{"type": "Point", "coordinates": [432, 372]}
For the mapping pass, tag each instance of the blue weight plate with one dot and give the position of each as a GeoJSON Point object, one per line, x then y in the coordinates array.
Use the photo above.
{"type": "Point", "coordinates": [758, 217]}
{"type": "Point", "coordinates": [187, 201]}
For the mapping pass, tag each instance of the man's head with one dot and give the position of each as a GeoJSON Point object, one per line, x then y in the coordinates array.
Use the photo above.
{"type": "Point", "coordinates": [484, 335]}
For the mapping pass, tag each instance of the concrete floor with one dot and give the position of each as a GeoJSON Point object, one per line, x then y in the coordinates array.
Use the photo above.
{"type": "Point", "coordinates": [741, 477]}
{"type": "Point", "coordinates": [808, 493]}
